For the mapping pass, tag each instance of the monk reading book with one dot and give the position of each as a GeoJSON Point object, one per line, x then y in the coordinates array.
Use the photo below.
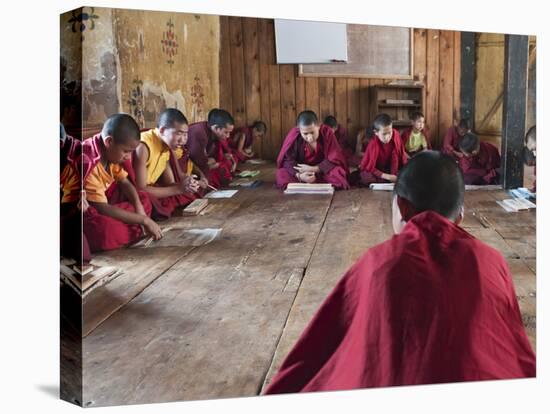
{"type": "Point", "coordinates": [116, 214]}
{"type": "Point", "coordinates": [156, 169]}
{"type": "Point", "coordinates": [311, 154]}
{"type": "Point", "coordinates": [242, 139]}
{"type": "Point", "coordinates": [480, 162]}
{"type": "Point", "coordinates": [430, 305]}
{"type": "Point", "coordinates": [452, 138]}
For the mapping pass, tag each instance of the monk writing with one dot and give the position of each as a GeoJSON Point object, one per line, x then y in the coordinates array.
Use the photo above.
{"type": "Point", "coordinates": [480, 161]}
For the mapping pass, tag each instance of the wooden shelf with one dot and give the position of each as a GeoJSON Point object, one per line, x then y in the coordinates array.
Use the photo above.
{"type": "Point", "coordinates": [390, 105]}
{"type": "Point", "coordinates": [399, 86]}
{"type": "Point", "coordinates": [399, 112]}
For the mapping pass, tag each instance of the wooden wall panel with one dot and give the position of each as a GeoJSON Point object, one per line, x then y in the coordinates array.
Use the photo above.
{"type": "Point", "coordinates": [275, 93]}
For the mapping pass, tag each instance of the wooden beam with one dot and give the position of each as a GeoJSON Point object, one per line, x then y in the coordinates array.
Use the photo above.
{"type": "Point", "coordinates": [516, 55]}
{"type": "Point", "coordinates": [468, 75]}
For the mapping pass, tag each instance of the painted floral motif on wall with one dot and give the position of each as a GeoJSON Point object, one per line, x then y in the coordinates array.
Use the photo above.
{"type": "Point", "coordinates": [197, 100]}
{"type": "Point", "coordinates": [83, 19]}
{"type": "Point", "coordinates": [136, 102]}
{"type": "Point", "coordinates": [169, 43]}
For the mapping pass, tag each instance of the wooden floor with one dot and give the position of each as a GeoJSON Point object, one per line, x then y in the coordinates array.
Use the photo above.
{"type": "Point", "coordinates": [187, 323]}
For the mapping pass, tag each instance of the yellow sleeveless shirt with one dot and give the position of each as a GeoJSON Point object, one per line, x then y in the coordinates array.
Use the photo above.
{"type": "Point", "coordinates": [159, 155]}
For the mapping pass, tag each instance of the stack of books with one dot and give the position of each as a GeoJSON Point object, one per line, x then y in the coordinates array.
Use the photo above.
{"type": "Point", "coordinates": [513, 205]}
{"type": "Point", "coordinates": [195, 207]}
{"type": "Point", "coordinates": [86, 278]}
{"type": "Point", "coordinates": [305, 188]}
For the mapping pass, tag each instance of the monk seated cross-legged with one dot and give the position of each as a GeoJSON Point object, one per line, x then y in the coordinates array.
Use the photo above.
{"type": "Point", "coordinates": [480, 162]}
{"type": "Point", "coordinates": [342, 136]}
{"type": "Point", "coordinates": [311, 154]}
{"type": "Point", "coordinates": [416, 138]}
{"type": "Point", "coordinates": [452, 138]}
{"type": "Point", "coordinates": [385, 153]}
{"type": "Point", "coordinates": [209, 149]}
{"type": "Point", "coordinates": [114, 213]}
{"type": "Point", "coordinates": [430, 305]}
{"type": "Point", "coordinates": [156, 169]}
{"type": "Point", "coordinates": [242, 139]}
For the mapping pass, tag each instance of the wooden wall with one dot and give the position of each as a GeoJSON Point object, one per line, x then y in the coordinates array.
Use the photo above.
{"type": "Point", "coordinates": [253, 86]}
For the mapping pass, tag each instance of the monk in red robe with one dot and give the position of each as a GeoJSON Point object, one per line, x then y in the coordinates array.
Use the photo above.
{"type": "Point", "coordinates": [384, 155]}
{"type": "Point", "coordinates": [207, 151]}
{"type": "Point", "coordinates": [342, 136]}
{"type": "Point", "coordinates": [431, 305]}
{"type": "Point", "coordinates": [530, 153]}
{"type": "Point", "coordinates": [156, 168]}
{"type": "Point", "coordinates": [242, 139]}
{"type": "Point", "coordinates": [311, 154]}
{"type": "Point", "coordinates": [416, 138]}
{"type": "Point", "coordinates": [116, 214]}
{"type": "Point", "coordinates": [452, 138]}
{"type": "Point", "coordinates": [480, 162]}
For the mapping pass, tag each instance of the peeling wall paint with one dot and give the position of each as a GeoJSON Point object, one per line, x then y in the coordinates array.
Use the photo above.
{"type": "Point", "coordinates": [141, 62]}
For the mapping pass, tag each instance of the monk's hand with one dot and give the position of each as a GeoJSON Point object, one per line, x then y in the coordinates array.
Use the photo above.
{"type": "Point", "coordinates": [152, 228]}
{"type": "Point", "coordinates": [212, 163]}
{"type": "Point", "coordinates": [189, 184]}
{"type": "Point", "coordinates": [307, 177]}
{"type": "Point", "coordinates": [391, 177]}
{"type": "Point", "coordinates": [83, 204]}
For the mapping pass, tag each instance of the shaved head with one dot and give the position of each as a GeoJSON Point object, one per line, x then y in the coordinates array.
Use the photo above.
{"type": "Point", "coordinates": [122, 128]}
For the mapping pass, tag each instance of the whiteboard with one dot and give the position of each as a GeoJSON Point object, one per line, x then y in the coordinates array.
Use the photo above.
{"type": "Point", "coordinates": [298, 41]}
{"type": "Point", "coordinates": [374, 52]}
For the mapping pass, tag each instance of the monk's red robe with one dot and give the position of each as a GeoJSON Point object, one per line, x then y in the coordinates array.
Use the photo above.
{"type": "Point", "coordinates": [382, 158]}
{"type": "Point", "coordinates": [234, 142]}
{"type": "Point", "coordinates": [482, 168]}
{"type": "Point", "coordinates": [328, 157]}
{"type": "Point", "coordinates": [162, 208]}
{"type": "Point", "coordinates": [202, 145]}
{"type": "Point", "coordinates": [431, 305]}
{"type": "Point", "coordinates": [406, 134]}
{"type": "Point", "coordinates": [348, 149]}
{"type": "Point", "coordinates": [451, 141]}
{"type": "Point", "coordinates": [103, 232]}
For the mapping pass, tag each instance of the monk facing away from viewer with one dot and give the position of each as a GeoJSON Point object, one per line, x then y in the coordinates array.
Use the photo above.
{"type": "Point", "coordinates": [430, 305]}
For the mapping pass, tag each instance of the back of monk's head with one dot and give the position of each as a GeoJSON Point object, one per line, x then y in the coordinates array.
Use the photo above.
{"type": "Point", "coordinates": [531, 135]}
{"type": "Point", "coordinates": [432, 181]}
{"type": "Point", "coordinates": [307, 118]}
{"type": "Point", "coordinates": [331, 121]}
{"type": "Point", "coordinates": [220, 118]}
{"type": "Point", "coordinates": [170, 117]}
{"type": "Point", "coordinates": [260, 126]}
{"type": "Point", "coordinates": [122, 128]}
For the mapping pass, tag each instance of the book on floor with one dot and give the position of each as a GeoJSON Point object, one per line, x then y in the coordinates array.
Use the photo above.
{"type": "Point", "coordinates": [195, 207]}
{"type": "Point", "coordinates": [381, 186]}
{"type": "Point", "coordinates": [305, 188]}
{"type": "Point", "coordinates": [516, 204]}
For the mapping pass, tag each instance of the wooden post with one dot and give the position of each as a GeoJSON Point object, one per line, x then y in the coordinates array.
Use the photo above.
{"type": "Point", "coordinates": [516, 55]}
{"type": "Point", "coordinates": [468, 76]}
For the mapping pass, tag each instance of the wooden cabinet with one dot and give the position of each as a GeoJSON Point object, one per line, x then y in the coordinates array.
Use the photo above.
{"type": "Point", "coordinates": [398, 101]}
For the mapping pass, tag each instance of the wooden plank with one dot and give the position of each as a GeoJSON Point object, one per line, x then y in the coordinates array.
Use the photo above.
{"type": "Point", "coordinates": [312, 95]}
{"type": "Point", "coordinates": [300, 83]}
{"type": "Point", "coordinates": [516, 55]}
{"type": "Point", "coordinates": [420, 74]}
{"type": "Point", "coordinates": [237, 70]}
{"type": "Point", "coordinates": [276, 136]}
{"type": "Point", "coordinates": [354, 120]}
{"type": "Point", "coordinates": [288, 98]}
{"type": "Point", "coordinates": [226, 92]}
{"type": "Point", "coordinates": [364, 103]}
{"type": "Point", "coordinates": [432, 84]}
{"type": "Point", "coordinates": [326, 97]}
{"type": "Point", "coordinates": [341, 100]}
{"type": "Point", "coordinates": [266, 59]}
{"type": "Point", "coordinates": [456, 76]}
{"type": "Point", "coordinates": [446, 77]}
{"type": "Point", "coordinates": [467, 75]}
{"type": "Point", "coordinates": [251, 70]}
{"type": "Point", "coordinates": [350, 211]}
{"type": "Point", "coordinates": [208, 327]}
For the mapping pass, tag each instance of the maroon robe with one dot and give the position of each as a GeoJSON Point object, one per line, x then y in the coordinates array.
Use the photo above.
{"type": "Point", "coordinates": [407, 134]}
{"type": "Point", "coordinates": [451, 141]}
{"type": "Point", "coordinates": [202, 145]}
{"type": "Point", "coordinates": [382, 158]}
{"type": "Point", "coordinates": [331, 160]}
{"type": "Point", "coordinates": [481, 169]}
{"type": "Point", "coordinates": [104, 232]}
{"type": "Point", "coordinates": [348, 149]}
{"type": "Point", "coordinates": [234, 142]}
{"type": "Point", "coordinates": [431, 305]}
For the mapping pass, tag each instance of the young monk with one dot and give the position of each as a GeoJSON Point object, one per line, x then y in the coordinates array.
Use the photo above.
{"type": "Point", "coordinates": [208, 147]}
{"type": "Point", "coordinates": [110, 222]}
{"type": "Point", "coordinates": [530, 153]}
{"type": "Point", "coordinates": [453, 137]}
{"type": "Point", "coordinates": [416, 138]}
{"type": "Point", "coordinates": [430, 305]}
{"type": "Point", "coordinates": [343, 139]}
{"type": "Point", "coordinates": [480, 161]}
{"type": "Point", "coordinates": [242, 139]}
{"type": "Point", "coordinates": [384, 155]}
{"type": "Point", "coordinates": [156, 169]}
{"type": "Point", "coordinates": [311, 154]}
